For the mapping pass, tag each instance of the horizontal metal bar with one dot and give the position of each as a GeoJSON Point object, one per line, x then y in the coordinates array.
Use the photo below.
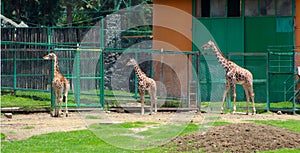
{"type": "Point", "coordinates": [149, 51]}
{"type": "Point", "coordinates": [83, 77]}
{"type": "Point", "coordinates": [246, 54]}
{"type": "Point", "coordinates": [24, 89]}
{"type": "Point", "coordinates": [275, 72]}
{"type": "Point", "coordinates": [25, 75]}
{"type": "Point", "coordinates": [26, 43]}
{"type": "Point", "coordinates": [35, 75]}
{"type": "Point", "coordinates": [78, 49]}
{"type": "Point", "coordinates": [260, 81]}
{"type": "Point", "coordinates": [281, 53]}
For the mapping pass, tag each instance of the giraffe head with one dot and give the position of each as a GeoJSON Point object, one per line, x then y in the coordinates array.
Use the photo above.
{"type": "Point", "coordinates": [208, 45]}
{"type": "Point", "coordinates": [131, 62]}
{"type": "Point", "coordinates": [50, 56]}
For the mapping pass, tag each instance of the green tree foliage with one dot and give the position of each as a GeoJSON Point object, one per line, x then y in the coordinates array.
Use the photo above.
{"type": "Point", "coordinates": [33, 12]}
{"type": "Point", "coordinates": [64, 12]}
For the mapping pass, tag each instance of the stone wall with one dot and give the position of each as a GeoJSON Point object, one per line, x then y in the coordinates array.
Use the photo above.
{"type": "Point", "coordinates": [114, 25]}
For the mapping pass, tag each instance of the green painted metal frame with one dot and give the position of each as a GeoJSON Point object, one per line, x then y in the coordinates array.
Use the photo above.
{"type": "Point", "coordinates": [244, 19]}
{"type": "Point", "coordinates": [77, 77]}
{"type": "Point", "coordinates": [292, 75]}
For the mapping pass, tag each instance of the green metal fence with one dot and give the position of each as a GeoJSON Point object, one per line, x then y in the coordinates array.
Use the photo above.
{"type": "Point", "coordinates": [282, 66]}
{"type": "Point", "coordinates": [23, 69]}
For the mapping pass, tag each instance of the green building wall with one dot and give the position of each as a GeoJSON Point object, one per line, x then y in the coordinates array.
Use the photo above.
{"type": "Point", "coordinates": [247, 34]}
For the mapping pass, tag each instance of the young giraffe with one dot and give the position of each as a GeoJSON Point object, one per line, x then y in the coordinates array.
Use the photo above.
{"type": "Point", "coordinates": [234, 75]}
{"type": "Point", "coordinates": [60, 84]}
{"type": "Point", "coordinates": [144, 84]}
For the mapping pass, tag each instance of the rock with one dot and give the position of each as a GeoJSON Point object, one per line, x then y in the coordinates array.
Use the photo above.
{"type": "Point", "coordinates": [279, 113]}
{"type": "Point", "coordinates": [8, 115]}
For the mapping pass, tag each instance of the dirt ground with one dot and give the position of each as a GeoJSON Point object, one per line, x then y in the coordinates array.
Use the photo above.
{"type": "Point", "coordinates": [241, 136]}
{"type": "Point", "coordinates": [23, 126]}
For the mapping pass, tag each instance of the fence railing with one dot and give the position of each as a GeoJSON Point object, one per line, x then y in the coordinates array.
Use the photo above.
{"type": "Point", "coordinates": [282, 71]}
{"type": "Point", "coordinates": [90, 67]}
{"type": "Point", "coordinates": [86, 69]}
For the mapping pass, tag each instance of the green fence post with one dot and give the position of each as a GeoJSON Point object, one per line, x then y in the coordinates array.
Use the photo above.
{"type": "Point", "coordinates": [294, 83]}
{"type": "Point", "coordinates": [101, 79]}
{"type": "Point", "coordinates": [102, 94]}
{"type": "Point", "coordinates": [49, 32]}
{"type": "Point", "coordinates": [15, 72]}
{"type": "Point", "coordinates": [198, 81]}
{"type": "Point", "coordinates": [77, 78]}
{"type": "Point", "coordinates": [188, 82]}
{"type": "Point", "coordinates": [268, 80]}
{"type": "Point", "coordinates": [135, 80]}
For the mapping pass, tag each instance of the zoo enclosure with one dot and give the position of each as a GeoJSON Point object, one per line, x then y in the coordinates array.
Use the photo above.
{"type": "Point", "coordinates": [24, 69]}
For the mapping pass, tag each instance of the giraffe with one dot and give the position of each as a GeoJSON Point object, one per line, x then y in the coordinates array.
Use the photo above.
{"type": "Point", "coordinates": [234, 74]}
{"type": "Point", "coordinates": [59, 84]}
{"type": "Point", "coordinates": [144, 84]}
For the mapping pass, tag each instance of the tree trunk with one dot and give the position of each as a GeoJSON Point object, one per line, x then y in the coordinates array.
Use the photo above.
{"type": "Point", "coordinates": [69, 13]}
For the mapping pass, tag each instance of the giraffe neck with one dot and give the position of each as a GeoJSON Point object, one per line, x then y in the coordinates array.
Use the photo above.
{"type": "Point", "coordinates": [56, 69]}
{"type": "Point", "coordinates": [220, 57]}
{"type": "Point", "coordinates": [138, 71]}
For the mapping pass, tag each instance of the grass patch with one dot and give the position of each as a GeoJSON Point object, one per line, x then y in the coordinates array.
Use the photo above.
{"type": "Point", "coordinates": [23, 102]}
{"type": "Point", "coordinates": [136, 124]}
{"type": "Point", "coordinates": [285, 104]}
{"type": "Point", "coordinates": [3, 136]}
{"type": "Point", "coordinates": [281, 151]}
{"type": "Point", "coordinates": [28, 127]}
{"type": "Point", "coordinates": [141, 135]}
{"type": "Point", "coordinates": [115, 138]}
{"type": "Point", "coordinates": [242, 105]}
{"type": "Point", "coordinates": [30, 100]}
{"type": "Point", "coordinates": [293, 125]}
{"type": "Point", "coordinates": [92, 117]}
{"type": "Point", "coordinates": [171, 103]}
{"type": "Point", "coordinates": [219, 123]}
{"type": "Point", "coordinates": [75, 141]}
{"type": "Point", "coordinates": [190, 128]}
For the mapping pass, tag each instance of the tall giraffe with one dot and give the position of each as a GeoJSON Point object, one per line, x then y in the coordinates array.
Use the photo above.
{"type": "Point", "coordinates": [234, 75]}
{"type": "Point", "coordinates": [59, 84]}
{"type": "Point", "coordinates": [144, 84]}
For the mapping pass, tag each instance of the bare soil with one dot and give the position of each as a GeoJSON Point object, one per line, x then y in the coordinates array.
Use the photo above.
{"type": "Point", "coordinates": [241, 136]}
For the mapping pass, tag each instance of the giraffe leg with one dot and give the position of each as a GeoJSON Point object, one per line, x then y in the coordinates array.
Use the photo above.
{"type": "Point", "coordinates": [253, 104]}
{"type": "Point", "coordinates": [234, 97]}
{"type": "Point", "coordinates": [57, 102]}
{"type": "Point", "coordinates": [66, 98]}
{"type": "Point", "coordinates": [227, 87]}
{"type": "Point", "coordinates": [142, 103]}
{"type": "Point", "coordinates": [151, 105]}
{"type": "Point", "coordinates": [247, 97]}
{"type": "Point", "coordinates": [142, 95]}
{"type": "Point", "coordinates": [252, 98]}
{"type": "Point", "coordinates": [60, 104]}
{"type": "Point", "coordinates": [54, 111]}
{"type": "Point", "coordinates": [153, 98]}
{"type": "Point", "coordinates": [66, 101]}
